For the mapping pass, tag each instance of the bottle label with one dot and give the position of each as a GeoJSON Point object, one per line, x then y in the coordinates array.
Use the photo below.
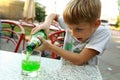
{"type": "Point", "coordinates": [36, 41]}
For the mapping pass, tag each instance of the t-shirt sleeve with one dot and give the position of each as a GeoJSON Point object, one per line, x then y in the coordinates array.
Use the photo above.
{"type": "Point", "coordinates": [99, 40]}
{"type": "Point", "coordinates": [62, 23]}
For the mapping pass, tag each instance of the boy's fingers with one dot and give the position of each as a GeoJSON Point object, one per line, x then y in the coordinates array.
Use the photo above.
{"type": "Point", "coordinates": [47, 31]}
{"type": "Point", "coordinates": [34, 30]}
{"type": "Point", "coordinates": [41, 48]}
{"type": "Point", "coordinates": [40, 38]}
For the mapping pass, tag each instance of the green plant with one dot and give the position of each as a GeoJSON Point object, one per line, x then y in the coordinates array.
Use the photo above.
{"type": "Point", "coordinates": [118, 21]}
{"type": "Point", "coordinates": [39, 12]}
{"type": "Point", "coordinates": [118, 18]}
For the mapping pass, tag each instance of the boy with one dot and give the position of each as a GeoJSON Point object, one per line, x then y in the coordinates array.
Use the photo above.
{"type": "Point", "coordinates": [81, 20]}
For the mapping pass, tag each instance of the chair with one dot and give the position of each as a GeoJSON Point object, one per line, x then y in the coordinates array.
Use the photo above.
{"type": "Point", "coordinates": [28, 27]}
{"type": "Point", "coordinates": [12, 33]}
{"type": "Point", "coordinates": [57, 38]}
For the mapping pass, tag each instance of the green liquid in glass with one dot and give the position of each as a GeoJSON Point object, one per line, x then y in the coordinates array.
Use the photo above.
{"type": "Point", "coordinates": [28, 65]}
{"type": "Point", "coordinates": [27, 56]}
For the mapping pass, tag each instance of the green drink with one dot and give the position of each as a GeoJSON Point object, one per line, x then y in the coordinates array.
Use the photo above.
{"type": "Point", "coordinates": [31, 62]}
{"type": "Point", "coordinates": [30, 65]}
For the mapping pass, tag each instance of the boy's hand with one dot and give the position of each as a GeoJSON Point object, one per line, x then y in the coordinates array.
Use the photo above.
{"type": "Point", "coordinates": [44, 45]}
{"type": "Point", "coordinates": [41, 26]}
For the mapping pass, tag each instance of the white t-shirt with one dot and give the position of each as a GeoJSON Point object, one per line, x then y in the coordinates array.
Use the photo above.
{"type": "Point", "coordinates": [98, 41]}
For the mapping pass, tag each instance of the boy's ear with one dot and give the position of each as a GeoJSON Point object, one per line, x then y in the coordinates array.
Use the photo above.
{"type": "Point", "coordinates": [97, 23]}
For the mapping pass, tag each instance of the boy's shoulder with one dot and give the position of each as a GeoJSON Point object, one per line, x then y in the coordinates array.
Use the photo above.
{"type": "Point", "coordinates": [103, 29]}
{"type": "Point", "coordinates": [100, 38]}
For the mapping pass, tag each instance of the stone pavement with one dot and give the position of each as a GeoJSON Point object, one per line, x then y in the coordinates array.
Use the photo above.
{"type": "Point", "coordinates": [110, 60]}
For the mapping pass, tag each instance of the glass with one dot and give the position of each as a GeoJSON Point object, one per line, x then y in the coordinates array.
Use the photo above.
{"type": "Point", "coordinates": [31, 63]}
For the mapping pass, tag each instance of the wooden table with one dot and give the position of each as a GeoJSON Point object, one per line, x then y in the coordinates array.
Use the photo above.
{"type": "Point", "coordinates": [51, 69]}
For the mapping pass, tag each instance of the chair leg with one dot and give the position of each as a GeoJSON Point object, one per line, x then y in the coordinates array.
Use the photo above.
{"type": "Point", "coordinates": [21, 37]}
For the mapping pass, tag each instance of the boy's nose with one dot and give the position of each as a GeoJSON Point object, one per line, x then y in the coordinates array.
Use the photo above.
{"type": "Point", "coordinates": [73, 33]}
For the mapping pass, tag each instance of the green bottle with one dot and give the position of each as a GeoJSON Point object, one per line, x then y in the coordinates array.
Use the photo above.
{"type": "Point", "coordinates": [35, 42]}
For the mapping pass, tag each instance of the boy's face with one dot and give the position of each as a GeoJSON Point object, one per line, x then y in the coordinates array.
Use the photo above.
{"type": "Point", "coordinates": [82, 31]}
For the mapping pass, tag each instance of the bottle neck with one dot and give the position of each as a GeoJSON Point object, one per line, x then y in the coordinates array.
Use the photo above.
{"type": "Point", "coordinates": [31, 47]}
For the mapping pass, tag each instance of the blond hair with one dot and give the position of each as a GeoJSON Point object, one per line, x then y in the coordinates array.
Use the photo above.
{"type": "Point", "coordinates": [82, 11]}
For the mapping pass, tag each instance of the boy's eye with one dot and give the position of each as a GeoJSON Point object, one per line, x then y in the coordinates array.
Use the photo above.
{"type": "Point", "coordinates": [78, 29]}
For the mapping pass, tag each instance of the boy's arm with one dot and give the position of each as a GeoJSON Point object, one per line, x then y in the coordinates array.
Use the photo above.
{"type": "Point", "coordinates": [85, 55]}
{"type": "Point", "coordinates": [46, 24]}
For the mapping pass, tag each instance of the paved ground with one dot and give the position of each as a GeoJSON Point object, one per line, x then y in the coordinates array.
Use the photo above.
{"type": "Point", "coordinates": [110, 61]}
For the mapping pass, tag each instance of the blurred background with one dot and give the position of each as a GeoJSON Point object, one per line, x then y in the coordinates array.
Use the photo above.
{"type": "Point", "coordinates": [110, 61]}
{"type": "Point", "coordinates": [13, 9]}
